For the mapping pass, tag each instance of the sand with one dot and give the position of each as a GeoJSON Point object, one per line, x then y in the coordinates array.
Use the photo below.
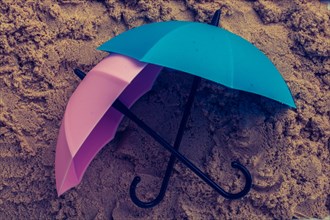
{"type": "Point", "coordinates": [286, 150]}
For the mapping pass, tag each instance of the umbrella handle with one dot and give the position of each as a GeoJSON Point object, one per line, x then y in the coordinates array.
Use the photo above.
{"type": "Point", "coordinates": [161, 194]}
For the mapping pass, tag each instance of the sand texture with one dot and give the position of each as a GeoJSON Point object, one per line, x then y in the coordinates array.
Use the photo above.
{"type": "Point", "coordinates": [286, 150]}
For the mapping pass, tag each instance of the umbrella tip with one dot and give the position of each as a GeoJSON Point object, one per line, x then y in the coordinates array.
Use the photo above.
{"type": "Point", "coordinates": [79, 73]}
{"type": "Point", "coordinates": [216, 18]}
{"type": "Point", "coordinates": [59, 190]}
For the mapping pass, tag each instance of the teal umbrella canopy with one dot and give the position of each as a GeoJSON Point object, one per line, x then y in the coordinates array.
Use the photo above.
{"type": "Point", "coordinates": [206, 51]}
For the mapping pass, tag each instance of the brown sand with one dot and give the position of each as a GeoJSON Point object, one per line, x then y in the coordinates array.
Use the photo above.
{"type": "Point", "coordinates": [287, 151]}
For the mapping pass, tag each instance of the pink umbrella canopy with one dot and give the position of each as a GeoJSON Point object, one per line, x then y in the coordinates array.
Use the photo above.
{"type": "Point", "coordinates": [89, 121]}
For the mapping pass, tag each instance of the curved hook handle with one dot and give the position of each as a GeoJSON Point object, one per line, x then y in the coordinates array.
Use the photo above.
{"type": "Point", "coordinates": [150, 204]}
{"type": "Point", "coordinates": [227, 195]}
{"type": "Point", "coordinates": [248, 182]}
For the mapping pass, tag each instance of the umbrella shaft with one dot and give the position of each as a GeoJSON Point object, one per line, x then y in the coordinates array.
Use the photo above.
{"type": "Point", "coordinates": [179, 136]}
{"type": "Point", "coordinates": [187, 111]}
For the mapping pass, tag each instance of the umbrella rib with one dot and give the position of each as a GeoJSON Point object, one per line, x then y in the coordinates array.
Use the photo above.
{"type": "Point", "coordinates": [158, 40]}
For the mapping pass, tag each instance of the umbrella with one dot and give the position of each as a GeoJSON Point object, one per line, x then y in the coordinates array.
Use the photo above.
{"type": "Point", "coordinates": [88, 116]}
{"type": "Point", "coordinates": [200, 49]}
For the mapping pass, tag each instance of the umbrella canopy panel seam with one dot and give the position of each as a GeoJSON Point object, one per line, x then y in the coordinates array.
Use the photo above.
{"type": "Point", "coordinates": [87, 102]}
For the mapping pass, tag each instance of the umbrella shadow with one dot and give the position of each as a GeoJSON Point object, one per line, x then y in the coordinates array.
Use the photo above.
{"type": "Point", "coordinates": [241, 123]}
{"type": "Point", "coordinates": [242, 127]}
